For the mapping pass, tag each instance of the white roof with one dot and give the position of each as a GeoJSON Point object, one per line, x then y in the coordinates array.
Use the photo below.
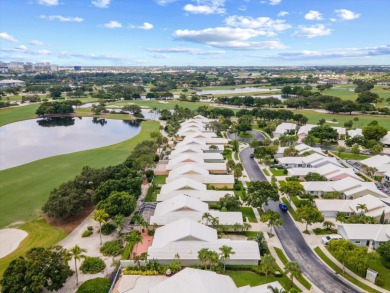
{"type": "Point", "coordinates": [186, 237]}
{"type": "Point", "coordinates": [192, 141]}
{"type": "Point", "coordinates": [192, 280]}
{"type": "Point", "coordinates": [324, 186]}
{"type": "Point", "coordinates": [206, 179]}
{"type": "Point", "coordinates": [207, 140]}
{"type": "Point", "coordinates": [202, 134]}
{"type": "Point", "coordinates": [209, 166]}
{"type": "Point", "coordinates": [203, 195]}
{"type": "Point", "coordinates": [182, 183]}
{"type": "Point", "coordinates": [386, 138]}
{"type": "Point", "coordinates": [180, 203]}
{"type": "Point", "coordinates": [285, 127]}
{"type": "Point", "coordinates": [340, 130]}
{"type": "Point", "coordinates": [314, 160]}
{"type": "Point", "coordinates": [306, 128]}
{"type": "Point", "coordinates": [187, 149]}
{"type": "Point", "coordinates": [330, 171]}
{"type": "Point", "coordinates": [204, 156]}
{"type": "Point", "coordinates": [380, 162]}
{"type": "Point", "coordinates": [188, 169]}
{"type": "Point", "coordinates": [376, 232]}
{"type": "Point", "coordinates": [355, 132]}
{"type": "Point", "coordinates": [186, 158]}
{"type": "Point", "coordinates": [11, 81]}
{"type": "Point", "coordinates": [303, 148]}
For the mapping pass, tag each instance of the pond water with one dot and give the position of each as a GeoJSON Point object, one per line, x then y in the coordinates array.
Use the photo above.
{"type": "Point", "coordinates": [26, 141]}
{"type": "Point", "coordinates": [233, 91]}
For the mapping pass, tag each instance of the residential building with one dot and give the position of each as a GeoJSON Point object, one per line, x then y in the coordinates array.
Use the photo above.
{"type": "Point", "coordinates": [186, 237]}
{"type": "Point", "coordinates": [371, 235]}
{"type": "Point", "coordinates": [284, 128]}
{"type": "Point", "coordinates": [386, 140]}
{"type": "Point", "coordinates": [375, 207]}
{"type": "Point", "coordinates": [355, 132]}
{"type": "Point", "coordinates": [350, 188]}
{"type": "Point", "coordinates": [312, 161]}
{"type": "Point", "coordinates": [184, 206]}
{"type": "Point", "coordinates": [304, 131]}
{"type": "Point", "coordinates": [329, 171]}
{"type": "Point", "coordinates": [302, 149]}
{"type": "Point", "coordinates": [10, 83]}
{"type": "Point", "coordinates": [380, 162]}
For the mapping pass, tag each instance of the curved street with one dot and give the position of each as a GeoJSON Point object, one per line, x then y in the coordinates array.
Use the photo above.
{"type": "Point", "coordinates": [293, 242]}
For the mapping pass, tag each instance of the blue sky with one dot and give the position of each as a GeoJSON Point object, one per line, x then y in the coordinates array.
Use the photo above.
{"type": "Point", "coordinates": [196, 32]}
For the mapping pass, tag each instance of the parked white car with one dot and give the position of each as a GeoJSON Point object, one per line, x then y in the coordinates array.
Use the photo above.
{"type": "Point", "coordinates": [328, 238]}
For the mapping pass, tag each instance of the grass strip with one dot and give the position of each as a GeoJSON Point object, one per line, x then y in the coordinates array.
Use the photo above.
{"type": "Point", "coordinates": [290, 209]}
{"type": "Point", "coordinates": [247, 212]}
{"type": "Point", "coordinates": [339, 271]}
{"type": "Point", "coordinates": [265, 171]}
{"type": "Point", "coordinates": [285, 260]}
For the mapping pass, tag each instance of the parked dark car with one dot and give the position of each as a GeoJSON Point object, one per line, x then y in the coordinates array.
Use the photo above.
{"type": "Point", "coordinates": [283, 207]}
{"type": "Point", "coordinates": [252, 155]}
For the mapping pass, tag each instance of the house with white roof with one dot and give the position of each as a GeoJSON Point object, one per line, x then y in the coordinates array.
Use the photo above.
{"type": "Point", "coordinates": [190, 130]}
{"type": "Point", "coordinates": [375, 207]}
{"type": "Point", "coordinates": [186, 237]}
{"type": "Point", "coordinates": [386, 140]}
{"type": "Point", "coordinates": [183, 206]}
{"type": "Point", "coordinates": [312, 161]}
{"type": "Point", "coordinates": [209, 140]}
{"type": "Point", "coordinates": [329, 171]}
{"type": "Point", "coordinates": [202, 135]}
{"type": "Point", "coordinates": [284, 128]}
{"type": "Point", "coordinates": [210, 196]}
{"type": "Point", "coordinates": [203, 144]}
{"type": "Point", "coordinates": [205, 156]}
{"type": "Point", "coordinates": [371, 235]}
{"type": "Point", "coordinates": [216, 168]}
{"type": "Point", "coordinates": [192, 280]}
{"type": "Point", "coordinates": [350, 188]}
{"type": "Point", "coordinates": [355, 132]}
{"type": "Point", "coordinates": [182, 184]}
{"type": "Point", "coordinates": [202, 175]}
{"type": "Point", "coordinates": [304, 130]}
{"type": "Point", "coordinates": [380, 162]}
{"type": "Point", "coordinates": [301, 148]}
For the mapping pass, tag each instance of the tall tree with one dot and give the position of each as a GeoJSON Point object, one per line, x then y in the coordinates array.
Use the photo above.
{"type": "Point", "coordinates": [225, 253]}
{"type": "Point", "coordinates": [309, 215]}
{"type": "Point", "coordinates": [100, 216]}
{"type": "Point", "coordinates": [260, 192]}
{"type": "Point", "coordinates": [268, 265]}
{"type": "Point", "coordinates": [294, 270]}
{"type": "Point", "coordinates": [77, 254]}
{"type": "Point", "coordinates": [273, 218]}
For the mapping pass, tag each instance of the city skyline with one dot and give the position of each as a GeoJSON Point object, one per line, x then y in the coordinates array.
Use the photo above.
{"type": "Point", "coordinates": [197, 33]}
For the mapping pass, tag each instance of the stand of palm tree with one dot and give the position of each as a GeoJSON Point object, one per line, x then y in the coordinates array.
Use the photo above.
{"type": "Point", "coordinates": [226, 252]}
{"type": "Point", "coordinates": [77, 254]}
{"type": "Point", "coordinates": [294, 270]}
{"type": "Point", "coordinates": [100, 216]}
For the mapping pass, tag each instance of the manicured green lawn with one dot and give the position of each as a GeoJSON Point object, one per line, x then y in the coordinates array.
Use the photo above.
{"type": "Point", "coordinates": [339, 271]}
{"type": "Point", "coordinates": [284, 260]}
{"type": "Point", "coordinates": [241, 191]}
{"type": "Point", "coordinates": [39, 234]}
{"type": "Point", "coordinates": [246, 135]}
{"type": "Point", "coordinates": [314, 117]}
{"type": "Point", "coordinates": [342, 92]}
{"type": "Point", "coordinates": [249, 214]}
{"type": "Point", "coordinates": [13, 114]}
{"type": "Point", "coordinates": [265, 171]}
{"type": "Point", "coordinates": [24, 189]}
{"type": "Point", "coordinates": [245, 278]}
{"type": "Point", "coordinates": [350, 156]}
{"type": "Point", "coordinates": [168, 105]}
{"type": "Point", "coordinates": [160, 179]}
{"type": "Point", "coordinates": [277, 172]}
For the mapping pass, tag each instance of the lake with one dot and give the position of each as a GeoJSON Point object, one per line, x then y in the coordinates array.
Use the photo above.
{"type": "Point", "coordinates": [234, 91]}
{"type": "Point", "coordinates": [30, 140]}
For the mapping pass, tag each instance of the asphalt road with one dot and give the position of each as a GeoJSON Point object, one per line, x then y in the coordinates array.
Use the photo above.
{"type": "Point", "coordinates": [293, 243]}
{"type": "Point", "coordinates": [256, 135]}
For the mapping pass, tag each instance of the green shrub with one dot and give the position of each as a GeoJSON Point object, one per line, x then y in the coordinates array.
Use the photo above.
{"type": "Point", "coordinates": [90, 228]}
{"type": "Point", "coordinates": [107, 229]}
{"type": "Point", "coordinates": [86, 233]}
{"type": "Point", "coordinates": [237, 187]}
{"type": "Point", "coordinates": [98, 285]}
{"type": "Point", "coordinates": [92, 265]}
{"type": "Point", "coordinates": [379, 282]}
{"type": "Point", "coordinates": [131, 271]}
{"type": "Point", "coordinates": [111, 248]}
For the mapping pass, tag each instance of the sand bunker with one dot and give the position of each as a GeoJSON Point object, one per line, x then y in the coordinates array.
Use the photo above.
{"type": "Point", "coordinates": [10, 239]}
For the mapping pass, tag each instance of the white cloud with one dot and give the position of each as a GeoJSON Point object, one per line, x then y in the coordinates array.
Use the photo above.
{"type": "Point", "coordinates": [36, 43]}
{"type": "Point", "coordinates": [314, 31]}
{"type": "Point", "coordinates": [242, 8]}
{"type": "Point", "coordinates": [43, 52]}
{"type": "Point", "coordinates": [330, 53]}
{"type": "Point", "coordinates": [165, 2]}
{"type": "Point", "coordinates": [206, 7]}
{"type": "Point", "coordinates": [101, 3]}
{"type": "Point", "coordinates": [333, 19]}
{"type": "Point", "coordinates": [7, 37]}
{"type": "Point", "coordinates": [345, 14]}
{"type": "Point", "coordinates": [228, 37]}
{"type": "Point", "coordinates": [48, 2]}
{"type": "Point", "coordinates": [313, 15]}
{"type": "Point", "coordinates": [192, 51]}
{"type": "Point", "coordinates": [159, 56]}
{"type": "Point", "coordinates": [112, 24]}
{"type": "Point", "coordinates": [145, 26]}
{"type": "Point", "coordinates": [267, 24]}
{"type": "Point", "coordinates": [62, 18]}
{"type": "Point", "coordinates": [21, 48]}
{"type": "Point", "coordinates": [275, 2]}
{"type": "Point", "coordinates": [283, 13]}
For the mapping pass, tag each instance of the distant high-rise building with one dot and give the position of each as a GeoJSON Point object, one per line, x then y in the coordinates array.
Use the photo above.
{"type": "Point", "coordinates": [77, 68]}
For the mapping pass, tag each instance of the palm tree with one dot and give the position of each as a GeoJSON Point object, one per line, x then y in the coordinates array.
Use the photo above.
{"type": "Point", "coordinates": [76, 253]}
{"type": "Point", "coordinates": [362, 207]}
{"type": "Point", "coordinates": [294, 270]}
{"type": "Point", "coordinates": [119, 220]}
{"type": "Point", "coordinates": [226, 252]}
{"type": "Point", "coordinates": [328, 225]}
{"type": "Point", "coordinates": [100, 216]}
{"type": "Point", "coordinates": [276, 290]}
{"type": "Point", "coordinates": [268, 265]}
{"type": "Point", "coordinates": [203, 256]}
{"type": "Point", "coordinates": [134, 238]}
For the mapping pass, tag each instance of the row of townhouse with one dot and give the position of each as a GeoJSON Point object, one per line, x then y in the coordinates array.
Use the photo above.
{"type": "Point", "coordinates": [355, 192]}
{"type": "Point", "coordinates": [196, 176]}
